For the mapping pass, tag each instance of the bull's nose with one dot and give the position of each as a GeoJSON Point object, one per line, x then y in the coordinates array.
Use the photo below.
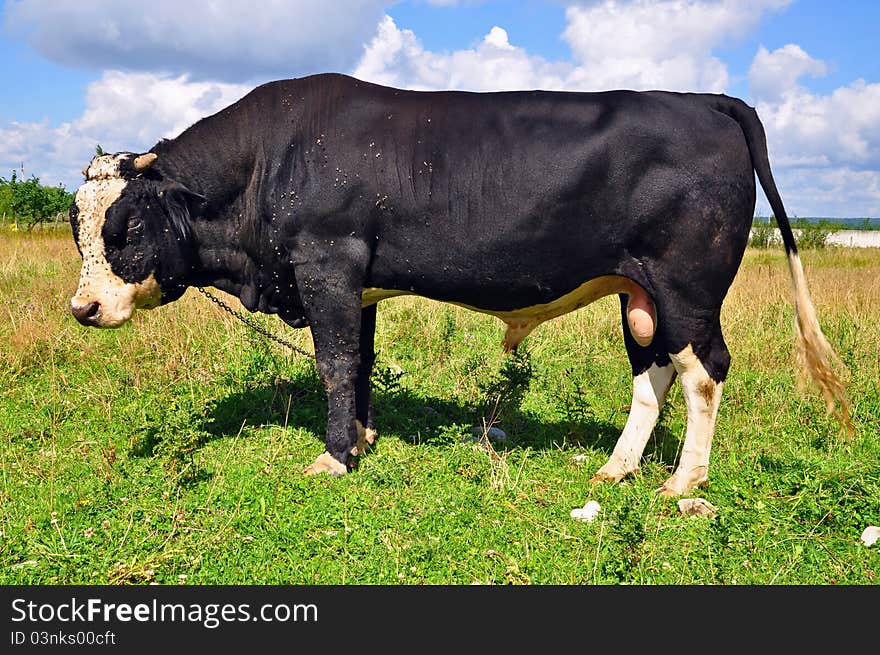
{"type": "Point", "coordinates": [86, 314]}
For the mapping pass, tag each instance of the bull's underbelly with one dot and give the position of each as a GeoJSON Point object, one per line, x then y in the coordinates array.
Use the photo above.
{"type": "Point", "coordinates": [641, 315]}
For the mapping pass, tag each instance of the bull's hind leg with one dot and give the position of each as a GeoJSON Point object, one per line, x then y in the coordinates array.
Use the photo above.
{"type": "Point", "coordinates": [653, 374]}
{"type": "Point", "coordinates": [649, 391]}
{"type": "Point", "coordinates": [702, 368]}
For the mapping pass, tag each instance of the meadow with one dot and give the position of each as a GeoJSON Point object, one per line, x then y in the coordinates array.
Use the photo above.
{"type": "Point", "coordinates": [171, 450]}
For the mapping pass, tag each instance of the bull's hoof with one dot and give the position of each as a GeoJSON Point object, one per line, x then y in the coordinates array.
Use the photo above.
{"type": "Point", "coordinates": [611, 472]}
{"type": "Point", "coordinates": [326, 463]}
{"type": "Point", "coordinates": [366, 438]}
{"type": "Point", "coordinates": [675, 486]}
{"type": "Point", "coordinates": [669, 491]}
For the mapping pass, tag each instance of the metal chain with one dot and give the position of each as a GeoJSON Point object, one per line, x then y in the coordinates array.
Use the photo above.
{"type": "Point", "coordinates": [252, 324]}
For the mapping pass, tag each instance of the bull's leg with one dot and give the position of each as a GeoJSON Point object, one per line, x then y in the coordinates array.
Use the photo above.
{"type": "Point", "coordinates": [363, 404]}
{"type": "Point", "coordinates": [653, 374]}
{"type": "Point", "coordinates": [702, 395]}
{"type": "Point", "coordinates": [649, 392]}
{"type": "Point", "coordinates": [332, 302]}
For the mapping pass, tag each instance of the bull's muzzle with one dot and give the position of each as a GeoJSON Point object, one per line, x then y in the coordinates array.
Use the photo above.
{"type": "Point", "coordinates": [86, 314]}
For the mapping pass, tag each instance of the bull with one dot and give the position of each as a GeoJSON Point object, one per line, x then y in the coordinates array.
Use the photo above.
{"type": "Point", "coordinates": [316, 198]}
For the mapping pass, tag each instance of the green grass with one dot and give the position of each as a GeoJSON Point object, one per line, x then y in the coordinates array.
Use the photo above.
{"type": "Point", "coordinates": [171, 450]}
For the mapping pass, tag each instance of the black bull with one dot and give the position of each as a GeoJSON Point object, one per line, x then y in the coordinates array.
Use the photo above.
{"type": "Point", "coordinates": [315, 198]}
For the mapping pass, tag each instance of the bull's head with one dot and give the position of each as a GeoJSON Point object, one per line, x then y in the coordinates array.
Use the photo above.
{"type": "Point", "coordinates": [132, 228]}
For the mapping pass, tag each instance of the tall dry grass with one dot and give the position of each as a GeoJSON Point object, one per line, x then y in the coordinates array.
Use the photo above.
{"type": "Point", "coordinates": [845, 286]}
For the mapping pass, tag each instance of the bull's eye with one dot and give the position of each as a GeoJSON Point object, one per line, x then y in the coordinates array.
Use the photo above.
{"type": "Point", "coordinates": [135, 223]}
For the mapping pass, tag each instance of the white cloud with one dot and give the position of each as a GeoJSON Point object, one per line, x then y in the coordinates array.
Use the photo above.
{"type": "Point", "coordinates": [829, 149]}
{"type": "Point", "coordinates": [638, 44]}
{"type": "Point", "coordinates": [130, 109]}
{"type": "Point", "coordinates": [826, 147]}
{"type": "Point", "coordinates": [659, 29]}
{"type": "Point", "coordinates": [827, 192]}
{"type": "Point", "coordinates": [124, 111]}
{"type": "Point", "coordinates": [397, 58]}
{"type": "Point", "coordinates": [644, 44]}
{"type": "Point", "coordinates": [658, 44]}
{"type": "Point", "coordinates": [773, 74]}
{"type": "Point", "coordinates": [207, 39]}
{"type": "Point", "coordinates": [840, 128]}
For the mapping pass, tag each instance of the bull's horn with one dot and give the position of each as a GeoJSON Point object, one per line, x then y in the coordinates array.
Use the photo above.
{"type": "Point", "coordinates": [143, 162]}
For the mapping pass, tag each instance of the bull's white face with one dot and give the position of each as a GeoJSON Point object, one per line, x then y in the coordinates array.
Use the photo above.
{"type": "Point", "coordinates": [103, 298]}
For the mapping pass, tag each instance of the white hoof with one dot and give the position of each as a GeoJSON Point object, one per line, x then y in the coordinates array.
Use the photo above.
{"type": "Point", "coordinates": [326, 463]}
{"type": "Point", "coordinates": [612, 471]}
{"type": "Point", "coordinates": [678, 484]}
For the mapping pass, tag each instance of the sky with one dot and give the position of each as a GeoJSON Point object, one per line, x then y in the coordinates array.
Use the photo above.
{"type": "Point", "coordinates": [79, 73]}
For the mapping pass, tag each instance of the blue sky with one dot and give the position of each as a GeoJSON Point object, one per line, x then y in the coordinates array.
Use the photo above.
{"type": "Point", "coordinates": [78, 73]}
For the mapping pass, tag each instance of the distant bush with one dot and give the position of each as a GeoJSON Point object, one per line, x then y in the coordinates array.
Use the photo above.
{"type": "Point", "coordinates": [763, 234]}
{"type": "Point", "coordinates": [813, 235]}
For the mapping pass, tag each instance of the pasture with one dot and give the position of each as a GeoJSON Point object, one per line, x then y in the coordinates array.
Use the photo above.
{"type": "Point", "coordinates": [171, 450]}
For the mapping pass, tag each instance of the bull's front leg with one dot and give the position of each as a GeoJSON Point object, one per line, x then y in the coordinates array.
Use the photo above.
{"type": "Point", "coordinates": [364, 406]}
{"type": "Point", "coordinates": [332, 302]}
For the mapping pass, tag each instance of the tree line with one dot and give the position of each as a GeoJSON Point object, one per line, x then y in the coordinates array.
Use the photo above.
{"type": "Point", "coordinates": [25, 203]}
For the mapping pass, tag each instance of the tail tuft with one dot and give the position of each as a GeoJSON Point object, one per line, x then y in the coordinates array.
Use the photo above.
{"type": "Point", "coordinates": [814, 352]}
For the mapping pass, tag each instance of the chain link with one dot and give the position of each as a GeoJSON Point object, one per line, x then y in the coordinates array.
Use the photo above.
{"type": "Point", "coordinates": [252, 324]}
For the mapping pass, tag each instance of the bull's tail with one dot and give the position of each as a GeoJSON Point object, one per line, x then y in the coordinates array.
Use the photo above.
{"type": "Point", "coordinates": [814, 352]}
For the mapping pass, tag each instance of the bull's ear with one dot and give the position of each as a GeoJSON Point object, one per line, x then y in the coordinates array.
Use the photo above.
{"type": "Point", "coordinates": [183, 205]}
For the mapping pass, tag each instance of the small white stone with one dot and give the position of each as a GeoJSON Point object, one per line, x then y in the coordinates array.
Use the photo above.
{"type": "Point", "coordinates": [21, 565]}
{"type": "Point", "coordinates": [870, 535]}
{"type": "Point", "coordinates": [495, 434]}
{"type": "Point", "coordinates": [580, 458]}
{"type": "Point", "coordinates": [588, 512]}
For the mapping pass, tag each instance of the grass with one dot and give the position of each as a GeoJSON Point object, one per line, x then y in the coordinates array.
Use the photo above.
{"type": "Point", "coordinates": [171, 450]}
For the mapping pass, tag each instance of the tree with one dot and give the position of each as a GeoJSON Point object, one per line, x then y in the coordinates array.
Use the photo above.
{"type": "Point", "coordinates": [5, 199]}
{"type": "Point", "coordinates": [30, 202]}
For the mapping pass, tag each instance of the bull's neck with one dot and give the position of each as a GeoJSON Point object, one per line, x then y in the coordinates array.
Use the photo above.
{"type": "Point", "coordinates": [215, 160]}
{"type": "Point", "coordinates": [211, 158]}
